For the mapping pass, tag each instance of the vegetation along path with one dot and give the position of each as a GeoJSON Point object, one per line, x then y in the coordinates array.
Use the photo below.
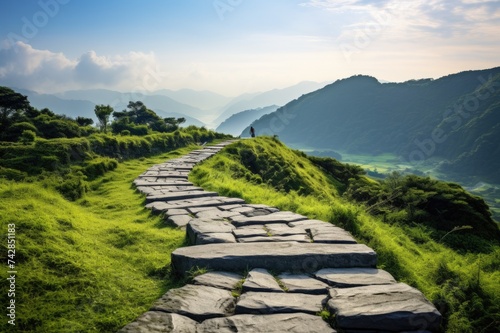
{"type": "Point", "coordinates": [265, 270]}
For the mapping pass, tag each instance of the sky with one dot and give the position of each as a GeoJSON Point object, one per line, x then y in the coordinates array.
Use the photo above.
{"type": "Point", "coordinates": [237, 46]}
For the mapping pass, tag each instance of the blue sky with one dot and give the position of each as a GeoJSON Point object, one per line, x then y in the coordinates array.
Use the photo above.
{"type": "Point", "coordinates": [237, 46]}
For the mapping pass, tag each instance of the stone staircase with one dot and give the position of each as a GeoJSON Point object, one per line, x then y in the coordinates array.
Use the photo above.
{"type": "Point", "coordinates": [268, 270]}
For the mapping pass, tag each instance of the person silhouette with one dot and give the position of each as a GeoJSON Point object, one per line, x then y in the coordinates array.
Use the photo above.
{"type": "Point", "coordinates": [252, 132]}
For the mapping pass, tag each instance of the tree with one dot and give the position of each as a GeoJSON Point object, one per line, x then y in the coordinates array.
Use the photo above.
{"type": "Point", "coordinates": [82, 121]}
{"type": "Point", "coordinates": [138, 117]}
{"type": "Point", "coordinates": [102, 113]}
{"type": "Point", "coordinates": [10, 103]}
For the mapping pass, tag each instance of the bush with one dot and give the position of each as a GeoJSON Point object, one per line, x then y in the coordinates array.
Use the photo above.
{"type": "Point", "coordinates": [73, 186]}
{"type": "Point", "coordinates": [14, 132]}
{"type": "Point", "coordinates": [98, 167]}
{"type": "Point", "coordinates": [27, 137]}
{"type": "Point", "coordinates": [12, 174]}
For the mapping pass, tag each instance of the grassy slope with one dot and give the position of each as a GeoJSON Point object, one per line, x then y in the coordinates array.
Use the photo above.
{"type": "Point", "coordinates": [87, 266]}
{"type": "Point", "coordinates": [465, 288]}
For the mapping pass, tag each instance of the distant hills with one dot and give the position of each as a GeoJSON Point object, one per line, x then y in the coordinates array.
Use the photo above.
{"type": "Point", "coordinates": [119, 101]}
{"type": "Point", "coordinates": [272, 97]}
{"type": "Point", "coordinates": [200, 108]}
{"type": "Point", "coordinates": [203, 100]}
{"type": "Point", "coordinates": [455, 118]}
{"type": "Point", "coordinates": [235, 124]}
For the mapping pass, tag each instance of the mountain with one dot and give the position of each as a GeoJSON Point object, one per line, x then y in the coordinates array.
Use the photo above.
{"type": "Point", "coordinates": [159, 103]}
{"type": "Point", "coordinates": [204, 100]}
{"type": "Point", "coordinates": [272, 97]}
{"type": "Point", "coordinates": [455, 118]}
{"type": "Point", "coordinates": [237, 122]}
{"type": "Point", "coordinates": [69, 107]}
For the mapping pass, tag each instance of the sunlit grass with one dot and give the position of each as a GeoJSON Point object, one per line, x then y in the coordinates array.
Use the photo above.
{"type": "Point", "coordinates": [87, 266]}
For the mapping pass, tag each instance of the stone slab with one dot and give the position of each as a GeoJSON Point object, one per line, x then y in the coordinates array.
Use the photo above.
{"type": "Point", "coordinates": [161, 206]}
{"type": "Point", "coordinates": [270, 302]}
{"type": "Point", "coordinates": [229, 207]}
{"type": "Point", "coordinates": [160, 322]}
{"type": "Point", "coordinates": [218, 279]}
{"type": "Point", "coordinates": [172, 196]}
{"type": "Point", "coordinates": [278, 257]}
{"type": "Point", "coordinates": [250, 232]}
{"type": "Point", "coordinates": [215, 237]}
{"type": "Point", "coordinates": [242, 209]}
{"type": "Point", "coordinates": [354, 277]}
{"type": "Point", "coordinates": [173, 212]}
{"type": "Point", "coordinates": [216, 214]}
{"type": "Point", "coordinates": [260, 279]}
{"type": "Point", "coordinates": [277, 217]}
{"type": "Point", "coordinates": [272, 323]}
{"type": "Point", "coordinates": [179, 221]}
{"type": "Point", "coordinates": [142, 182]}
{"type": "Point", "coordinates": [308, 224]}
{"type": "Point", "coordinates": [196, 302]}
{"type": "Point", "coordinates": [334, 238]}
{"type": "Point", "coordinates": [302, 283]}
{"type": "Point", "coordinates": [284, 230]}
{"type": "Point", "coordinates": [261, 239]}
{"type": "Point", "coordinates": [330, 234]}
{"type": "Point", "coordinates": [197, 227]}
{"type": "Point", "coordinates": [394, 307]}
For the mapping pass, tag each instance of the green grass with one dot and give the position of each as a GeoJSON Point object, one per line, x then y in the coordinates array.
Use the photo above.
{"type": "Point", "coordinates": [88, 266]}
{"type": "Point", "coordinates": [464, 287]}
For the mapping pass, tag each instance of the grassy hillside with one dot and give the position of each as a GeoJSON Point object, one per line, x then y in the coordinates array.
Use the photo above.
{"type": "Point", "coordinates": [87, 266]}
{"type": "Point", "coordinates": [464, 285]}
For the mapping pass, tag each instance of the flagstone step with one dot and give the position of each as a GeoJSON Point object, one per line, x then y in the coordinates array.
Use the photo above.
{"type": "Point", "coordinates": [182, 195]}
{"type": "Point", "coordinates": [278, 256]}
{"type": "Point", "coordinates": [395, 308]}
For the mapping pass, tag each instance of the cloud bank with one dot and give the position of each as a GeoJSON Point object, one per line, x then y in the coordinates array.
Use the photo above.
{"type": "Point", "coordinates": [44, 71]}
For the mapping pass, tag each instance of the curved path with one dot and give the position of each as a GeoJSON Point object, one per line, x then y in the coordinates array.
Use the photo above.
{"type": "Point", "coordinates": [268, 270]}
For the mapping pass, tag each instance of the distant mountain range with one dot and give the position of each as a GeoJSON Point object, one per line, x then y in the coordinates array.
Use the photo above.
{"type": "Point", "coordinates": [200, 108]}
{"type": "Point", "coordinates": [203, 100]}
{"type": "Point", "coordinates": [455, 118]}
{"type": "Point", "coordinates": [272, 97]}
{"type": "Point", "coordinates": [238, 121]}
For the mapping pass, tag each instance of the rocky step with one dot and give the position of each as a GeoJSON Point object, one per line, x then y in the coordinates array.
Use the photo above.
{"type": "Point", "coordinates": [152, 181]}
{"type": "Point", "coordinates": [162, 322]}
{"type": "Point", "coordinates": [394, 308]}
{"type": "Point", "coordinates": [180, 195]}
{"type": "Point", "coordinates": [271, 323]}
{"type": "Point", "coordinates": [277, 256]}
{"type": "Point", "coordinates": [161, 206]}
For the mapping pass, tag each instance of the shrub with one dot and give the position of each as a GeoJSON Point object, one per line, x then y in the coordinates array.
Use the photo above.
{"type": "Point", "coordinates": [73, 186]}
{"type": "Point", "coordinates": [27, 137]}
{"type": "Point", "coordinates": [98, 167]}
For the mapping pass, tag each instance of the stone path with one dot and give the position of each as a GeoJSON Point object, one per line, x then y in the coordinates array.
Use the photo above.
{"type": "Point", "coordinates": [268, 270]}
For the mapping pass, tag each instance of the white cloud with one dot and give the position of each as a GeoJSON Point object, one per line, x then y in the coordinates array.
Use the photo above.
{"type": "Point", "coordinates": [23, 66]}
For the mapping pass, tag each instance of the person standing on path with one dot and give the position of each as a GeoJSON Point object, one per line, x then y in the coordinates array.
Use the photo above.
{"type": "Point", "coordinates": [252, 132]}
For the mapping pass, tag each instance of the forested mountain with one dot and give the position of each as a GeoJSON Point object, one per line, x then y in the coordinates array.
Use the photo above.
{"type": "Point", "coordinates": [456, 118]}
{"type": "Point", "coordinates": [237, 122]}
